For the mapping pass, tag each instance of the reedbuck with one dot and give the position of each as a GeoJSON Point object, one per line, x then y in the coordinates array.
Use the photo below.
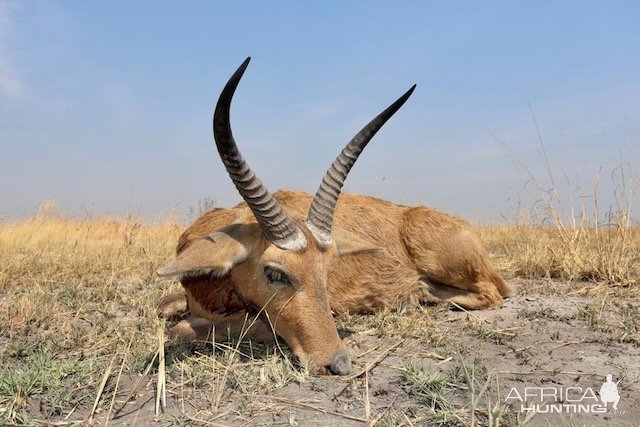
{"type": "Point", "coordinates": [292, 259]}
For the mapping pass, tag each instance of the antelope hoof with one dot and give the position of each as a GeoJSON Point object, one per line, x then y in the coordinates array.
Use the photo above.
{"type": "Point", "coordinates": [173, 305]}
{"type": "Point", "coordinates": [192, 329]}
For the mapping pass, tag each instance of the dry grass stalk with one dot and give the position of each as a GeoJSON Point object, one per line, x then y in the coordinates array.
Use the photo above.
{"type": "Point", "coordinates": [384, 412]}
{"type": "Point", "coordinates": [367, 402]}
{"type": "Point", "coordinates": [369, 366]}
{"type": "Point", "coordinates": [115, 388]}
{"type": "Point", "coordinates": [136, 388]}
{"type": "Point", "coordinates": [566, 233]}
{"type": "Point", "coordinates": [314, 407]}
{"type": "Point", "coordinates": [103, 383]}
{"type": "Point", "coordinates": [161, 390]}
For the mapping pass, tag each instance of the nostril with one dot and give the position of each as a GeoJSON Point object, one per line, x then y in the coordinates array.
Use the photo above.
{"type": "Point", "coordinates": [341, 364]}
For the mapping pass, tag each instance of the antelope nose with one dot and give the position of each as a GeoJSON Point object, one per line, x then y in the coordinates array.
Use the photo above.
{"type": "Point", "coordinates": [341, 364]}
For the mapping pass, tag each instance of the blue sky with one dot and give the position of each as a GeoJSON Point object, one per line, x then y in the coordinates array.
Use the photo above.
{"type": "Point", "coordinates": [106, 106]}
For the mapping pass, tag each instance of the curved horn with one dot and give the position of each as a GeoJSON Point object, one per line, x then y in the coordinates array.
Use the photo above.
{"type": "Point", "coordinates": [276, 225]}
{"type": "Point", "coordinates": [320, 215]}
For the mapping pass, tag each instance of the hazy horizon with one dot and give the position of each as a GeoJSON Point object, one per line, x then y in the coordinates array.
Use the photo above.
{"type": "Point", "coordinates": [106, 107]}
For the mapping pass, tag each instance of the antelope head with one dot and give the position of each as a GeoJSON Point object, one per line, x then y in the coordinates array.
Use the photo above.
{"type": "Point", "coordinates": [279, 266]}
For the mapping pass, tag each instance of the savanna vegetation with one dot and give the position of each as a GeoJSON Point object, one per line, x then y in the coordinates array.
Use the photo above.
{"type": "Point", "coordinates": [80, 340]}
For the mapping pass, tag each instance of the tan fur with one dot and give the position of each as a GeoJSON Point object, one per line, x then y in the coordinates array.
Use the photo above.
{"type": "Point", "coordinates": [428, 256]}
{"type": "Point", "coordinates": [398, 254]}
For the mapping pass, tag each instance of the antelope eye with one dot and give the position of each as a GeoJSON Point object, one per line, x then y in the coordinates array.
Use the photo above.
{"type": "Point", "coordinates": [274, 275]}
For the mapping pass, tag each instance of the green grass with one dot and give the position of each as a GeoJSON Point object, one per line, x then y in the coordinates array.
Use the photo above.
{"type": "Point", "coordinates": [39, 374]}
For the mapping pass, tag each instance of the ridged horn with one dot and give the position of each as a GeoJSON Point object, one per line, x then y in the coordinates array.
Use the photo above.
{"type": "Point", "coordinates": [320, 216]}
{"type": "Point", "coordinates": [276, 225]}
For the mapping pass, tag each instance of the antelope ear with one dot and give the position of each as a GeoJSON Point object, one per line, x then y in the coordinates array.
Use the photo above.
{"type": "Point", "coordinates": [216, 253]}
{"type": "Point", "coordinates": [349, 243]}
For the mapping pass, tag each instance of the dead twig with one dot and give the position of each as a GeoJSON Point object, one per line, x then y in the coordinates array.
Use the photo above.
{"type": "Point", "coordinates": [564, 344]}
{"type": "Point", "coordinates": [382, 414]}
{"type": "Point", "coordinates": [374, 362]}
{"type": "Point", "coordinates": [314, 407]}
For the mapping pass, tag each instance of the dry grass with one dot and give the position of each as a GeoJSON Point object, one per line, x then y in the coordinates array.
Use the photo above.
{"type": "Point", "coordinates": [78, 288]}
{"type": "Point", "coordinates": [563, 230]}
{"type": "Point", "coordinates": [78, 324]}
{"type": "Point", "coordinates": [46, 261]}
{"type": "Point", "coordinates": [610, 255]}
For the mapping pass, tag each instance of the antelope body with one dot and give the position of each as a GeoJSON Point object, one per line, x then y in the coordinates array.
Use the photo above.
{"type": "Point", "coordinates": [291, 258]}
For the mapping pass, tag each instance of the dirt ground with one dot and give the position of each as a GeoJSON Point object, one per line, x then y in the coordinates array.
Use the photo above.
{"type": "Point", "coordinates": [560, 342]}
